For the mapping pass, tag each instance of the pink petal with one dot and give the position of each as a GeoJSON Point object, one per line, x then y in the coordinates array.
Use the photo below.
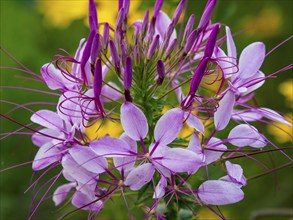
{"type": "Point", "coordinates": [126, 163]}
{"type": "Point", "coordinates": [181, 160]}
{"type": "Point", "coordinates": [110, 92]}
{"type": "Point", "coordinates": [61, 192]}
{"type": "Point", "coordinates": [162, 24]}
{"type": "Point", "coordinates": [223, 114]}
{"type": "Point", "coordinates": [169, 126]}
{"type": "Point", "coordinates": [243, 135]}
{"type": "Point", "coordinates": [75, 171]}
{"type": "Point", "coordinates": [133, 121]}
{"type": "Point", "coordinates": [54, 78]}
{"type": "Point", "coordinates": [194, 122]}
{"type": "Point", "coordinates": [210, 155]}
{"type": "Point", "coordinates": [234, 170]}
{"type": "Point", "coordinates": [140, 176]}
{"type": "Point", "coordinates": [251, 59]}
{"type": "Point", "coordinates": [231, 45]}
{"type": "Point", "coordinates": [246, 115]}
{"type": "Point", "coordinates": [46, 155]}
{"type": "Point", "coordinates": [195, 145]}
{"type": "Point", "coordinates": [48, 119]}
{"type": "Point", "coordinates": [160, 189]}
{"type": "Point", "coordinates": [217, 192]}
{"type": "Point", "coordinates": [88, 159]}
{"type": "Point", "coordinates": [273, 115]}
{"type": "Point", "coordinates": [81, 199]}
{"type": "Point", "coordinates": [39, 139]}
{"type": "Point", "coordinates": [110, 147]}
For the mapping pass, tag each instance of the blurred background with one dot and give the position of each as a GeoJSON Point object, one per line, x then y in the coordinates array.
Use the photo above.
{"type": "Point", "coordinates": [32, 31]}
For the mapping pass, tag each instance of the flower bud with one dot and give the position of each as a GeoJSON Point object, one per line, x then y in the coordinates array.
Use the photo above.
{"type": "Point", "coordinates": [153, 47]}
{"type": "Point", "coordinates": [171, 48]}
{"type": "Point", "coordinates": [106, 36]}
{"type": "Point", "coordinates": [190, 41]}
{"type": "Point", "coordinates": [189, 26]}
{"type": "Point", "coordinates": [115, 57]}
{"type": "Point", "coordinates": [198, 74]}
{"type": "Point", "coordinates": [157, 7]}
{"type": "Point", "coordinates": [98, 80]}
{"type": "Point", "coordinates": [128, 74]}
{"type": "Point", "coordinates": [161, 71]}
{"type": "Point", "coordinates": [93, 18]}
{"type": "Point", "coordinates": [203, 23]}
{"type": "Point", "coordinates": [86, 54]}
{"type": "Point", "coordinates": [95, 48]}
{"type": "Point", "coordinates": [178, 12]}
{"type": "Point", "coordinates": [211, 42]}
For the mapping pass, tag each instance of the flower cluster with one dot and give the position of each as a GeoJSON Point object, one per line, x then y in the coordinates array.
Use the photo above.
{"type": "Point", "coordinates": [136, 76]}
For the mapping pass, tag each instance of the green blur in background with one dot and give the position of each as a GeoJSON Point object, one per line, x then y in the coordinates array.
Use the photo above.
{"type": "Point", "coordinates": [33, 41]}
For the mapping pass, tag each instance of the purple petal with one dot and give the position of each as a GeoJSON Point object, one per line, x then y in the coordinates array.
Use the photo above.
{"type": "Point", "coordinates": [181, 160]}
{"type": "Point", "coordinates": [133, 121]}
{"type": "Point", "coordinates": [162, 24]}
{"type": "Point", "coordinates": [224, 112]}
{"type": "Point", "coordinates": [46, 155]}
{"type": "Point", "coordinates": [81, 199]}
{"type": "Point", "coordinates": [217, 150]}
{"type": "Point", "coordinates": [217, 192]}
{"type": "Point", "coordinates": [54, 78]}
{"type": "Point", "coordinates": [195, 145]}
{"type": "Point", "coordinates": [48, 119]}
{"type": "Point", "coordinates": [39, 139]}
{"type": "Point", "coordinates": [126, 163]}
{"type": "Point", "coordinates": [194, 122]}
{"type": "Point", "coordinates": [243, 135]}
{"type": "Point", "coordinates": [235, 171]}
{"type": "Point", "coordinates": [88, 159]}
{"type": "Point", "coordinates": [251, 59]}
{"type": "Point", "coordinates": [160, 189]}
{"type": "Point", "coordinates": [77, 172]}
{"type": "Point", "coordinates": [61, 192]}
{"type": "Point", "coordinates": [273, 115]}
{"type": "Point", "coordinates": [140, 176]}
{"type": "Point", "coordinates": [246, 115]}
{"type": "Point", "coordinates": [232, 53]}
{"type": "Point", "coordinates": [110, 92]}
{"type": "Point", "coordinates": [169, 126]}
{"type": "Point", "coordinates": [110, 147]}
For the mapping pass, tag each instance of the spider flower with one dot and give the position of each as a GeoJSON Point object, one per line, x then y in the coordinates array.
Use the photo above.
{"type": "Point", "coordinates": [151, 64]}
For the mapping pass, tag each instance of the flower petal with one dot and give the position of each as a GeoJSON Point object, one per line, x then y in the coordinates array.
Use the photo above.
{"type": "Point", "coordinates": [40, 139]}
{"type": "Point", "coordinates": [243, 135]}
{"type": "Point", "coordinates": [84, 201]}
{"type": "Point", "coordinates": [194, 122]}
{"type": "Point", "coordinates": [251, 59]}
{"type": "Point", "coordinates": [273, 115]}
{"type": "Point", "coordinates": [181, 160]}
{"type": "Point", "coordinates": [140, 176]}
{"type": "Point", "coordinates": [224, 112]}
{"type": "Point", "coordinates": [88, 159]}
{"type": "Point", "coordinates": [162, 24]}
{"type": "Point", "coordinates": [126, 163]}
{"type": "Point", "coordinates": [133, 121]}
{"type": "Point", "coordinates": [48, 119]}
{"type": "Point", "coordinates": [160, 189]}
{"type": "Point", "coordinates": [61, 192]}
{"type": "Point", "coordinates": [46, 155]}
{"type": "Point", "coordinates": [217, 192]}
{"type": "Point", "coordinates": [75, 171]}
{"type": "Point", "coordinates": [217, 150]}
{"type": "Point", "coordinates": [110, 147]}
{"type": "Point", "coordinates": [169, 126]}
